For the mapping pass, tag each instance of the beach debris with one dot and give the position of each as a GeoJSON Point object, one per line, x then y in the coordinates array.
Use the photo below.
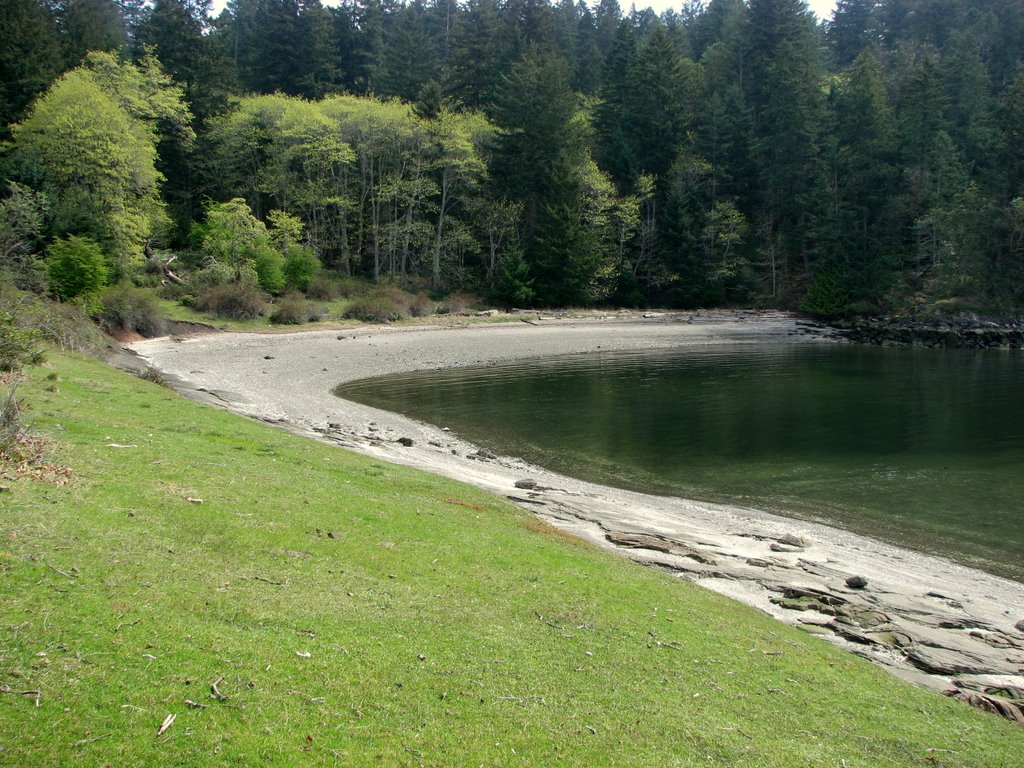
{"type": "Point", "coordinates": [406, 441]}
{"type": "Point", "coordinates": [193, 500]}
{"type": "Point", "coordinates": [194, 704]}
{"type": "Point", "coordinates": [1019, 626]}
{"type": "Point", "coordinates": [303, 654]}
{"type": "Point", "coordinates": [215, 691]}
{"type": "Point", "coordinates": [856, 582]}
{"type": "Point", "coordinates": [333, 535]}
{"type": "Point", "coordinates": [34, 694]}
{"type": "Point", "coordinates": [167, 723]}
{"type": "Point", "coordinates": [121, 445]}
{"type": "Point", "coordinates": [268, 357]}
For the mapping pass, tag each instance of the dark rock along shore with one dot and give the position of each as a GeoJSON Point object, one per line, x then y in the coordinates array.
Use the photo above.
{"type": "Point", "coordinates": [969, 332]}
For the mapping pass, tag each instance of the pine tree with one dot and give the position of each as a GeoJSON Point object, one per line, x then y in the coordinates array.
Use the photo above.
{"type": "Point", "coordinates": [30, 56]}
{"type": "Point", "coordinates": [850, 30]}
{"type": "Point", "coordinates": [614, 146]}
{"type": "Point", "coordinates": [89, 25]}
{"type": "Point", "coordinates": [784, 90]}
{"type": "Point", "coordinates": [319, 72]}
{"type": "Point", "coordinates": [410, 61]}
{"type": "Point", "coordinates": [660, 97]}
{"type": "Point", "coordinates": [478, 57]}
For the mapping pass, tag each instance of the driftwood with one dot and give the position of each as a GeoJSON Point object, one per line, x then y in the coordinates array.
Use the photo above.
{"type": "Point", "coordinates": [165, 270]}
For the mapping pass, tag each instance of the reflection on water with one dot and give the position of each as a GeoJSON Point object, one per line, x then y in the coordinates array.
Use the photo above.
{"type": "Point", "coordinates": [924, 448]}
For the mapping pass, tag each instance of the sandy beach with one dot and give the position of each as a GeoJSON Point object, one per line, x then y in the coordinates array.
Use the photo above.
{"type": "Point", "coordinates": [924, 618]}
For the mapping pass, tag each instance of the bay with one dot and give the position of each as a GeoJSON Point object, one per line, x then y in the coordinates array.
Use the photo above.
{"type": "Point", "coordinates": [922, 448]}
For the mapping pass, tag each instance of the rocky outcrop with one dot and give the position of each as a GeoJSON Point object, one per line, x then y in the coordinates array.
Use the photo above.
{"type": "Point", "coordinates": [970, 332]}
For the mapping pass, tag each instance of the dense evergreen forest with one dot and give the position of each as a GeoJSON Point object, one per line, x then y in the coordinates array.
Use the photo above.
{"type": "Point", "coordinates": [539, 153]}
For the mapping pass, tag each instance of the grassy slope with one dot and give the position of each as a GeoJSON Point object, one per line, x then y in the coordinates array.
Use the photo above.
{"type": "Point", "coordinates": [535, 648]}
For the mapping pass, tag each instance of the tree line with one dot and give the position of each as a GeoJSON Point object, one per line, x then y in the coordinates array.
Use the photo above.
{"type": "Point", "coordinates": [548, 153]}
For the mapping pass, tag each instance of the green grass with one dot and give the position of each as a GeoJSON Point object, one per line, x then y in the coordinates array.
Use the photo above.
{"type": "Point", "coordinates": [443, 625]}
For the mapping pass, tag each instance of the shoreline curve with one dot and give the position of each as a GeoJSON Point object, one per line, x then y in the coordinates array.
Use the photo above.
{"type": "Point", "coordinates": [924, 618]}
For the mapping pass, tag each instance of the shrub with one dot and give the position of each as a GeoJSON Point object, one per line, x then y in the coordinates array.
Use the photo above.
{"type": "Point", "coordinates": [295, 310]}
{"type": "Point", "coordinates": [300, 267]}
{"type": "Point", "coordinates": [213, 274]}
{"type": "Point", "coordinates": [10, 416]}
{"type": "Point", "coordinates": [421, 306]}
{"type": "Point", "coordinates": [64, 325]}
{"type": "Point", "coordinates": [328, 287]}
{"type": "Point", "coordinates": [131, 309]}
{"type": "Point", "coordinates": [324, 288]}
{"type": "Point", "coordinates": [514, 286]}
{"type": "Point", "coordinates": [17, 344]}
{"type": "Point", "coordinates": [236, 301]}
{"type": "Point", "coordinates": [458, 302]}
{"type": "Point", "coordinates": [76, 267]}
{"type": "Point", "coordinates": [269, 267]}
{"type": "Point", "coordinates": [828, 296]}
{"type": "Point", "coordinates": [154, 376]}
{"type": "Point", "coordinates": [383, 304]}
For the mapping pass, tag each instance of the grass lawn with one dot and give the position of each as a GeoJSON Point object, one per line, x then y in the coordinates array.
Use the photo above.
{"type": "Point", "coordinates": [354, 613]}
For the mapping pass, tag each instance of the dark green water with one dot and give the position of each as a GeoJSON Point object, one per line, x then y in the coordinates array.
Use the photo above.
{"type": "Point", "coordinates": [922, 448]}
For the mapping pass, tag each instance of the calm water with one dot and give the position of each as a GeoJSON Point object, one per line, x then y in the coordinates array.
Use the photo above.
{"type": "Point", "coordinates": [923, 448]}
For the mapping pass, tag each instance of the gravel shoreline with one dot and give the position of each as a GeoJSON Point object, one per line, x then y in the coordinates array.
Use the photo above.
{"type": "Point", "coordinates": [924, 618]}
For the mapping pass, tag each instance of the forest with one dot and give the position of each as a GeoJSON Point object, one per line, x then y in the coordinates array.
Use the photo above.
{"type": "Point", "coordinates": [537, 153]}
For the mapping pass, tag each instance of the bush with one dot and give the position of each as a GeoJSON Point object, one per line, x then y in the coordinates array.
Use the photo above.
{"type": "Point", "coordinates": [295, 310]}
{"type": "Point", "coordinates": [153, 376]}
{"type": "Point", "coordinates": [383, 304]}
{"type": "Point", "coordinates": [131, 309]}
{"type": "Point", "coordinates": [458, 302]}
{"type": "Point", "coordinates": [300, 267]}
{"type": "Point", "coordinates": [269, 267]}
{"type": "Point", "coordinates": [328, 287]}
{"type": "Point", "coordinates": [421, 306]}
{"type": "Point", "coordinates": [76, 267]}
{"type": "Point", "coordinates": [235, 301]}
{"type": "Point", "coordinates": [10, 416]}
{"type": "Point", "coordinates": [324, 288]}
{"type": "Point", "coordinates": [17, 344]}
{"type": "Point", "coordinates": [64, 325]}
{"type": "Point", "coordinates": [828, 296]}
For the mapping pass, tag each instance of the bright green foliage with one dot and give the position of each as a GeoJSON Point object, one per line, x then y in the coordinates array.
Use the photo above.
{"type": "Point", "coordinates": [832, 141]}
{"type": "Point", "coordinates": [238, 240]}
{"type": "Point", "coordinates": [300, 267]}
{"type": "Point", "coordinates": [77, 268]}
{"type": "Point", "coordinates": [90, 144]}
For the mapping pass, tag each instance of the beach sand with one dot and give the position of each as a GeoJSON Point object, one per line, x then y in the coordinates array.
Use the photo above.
{"type": "Point", "coordinates": [924, 618]}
